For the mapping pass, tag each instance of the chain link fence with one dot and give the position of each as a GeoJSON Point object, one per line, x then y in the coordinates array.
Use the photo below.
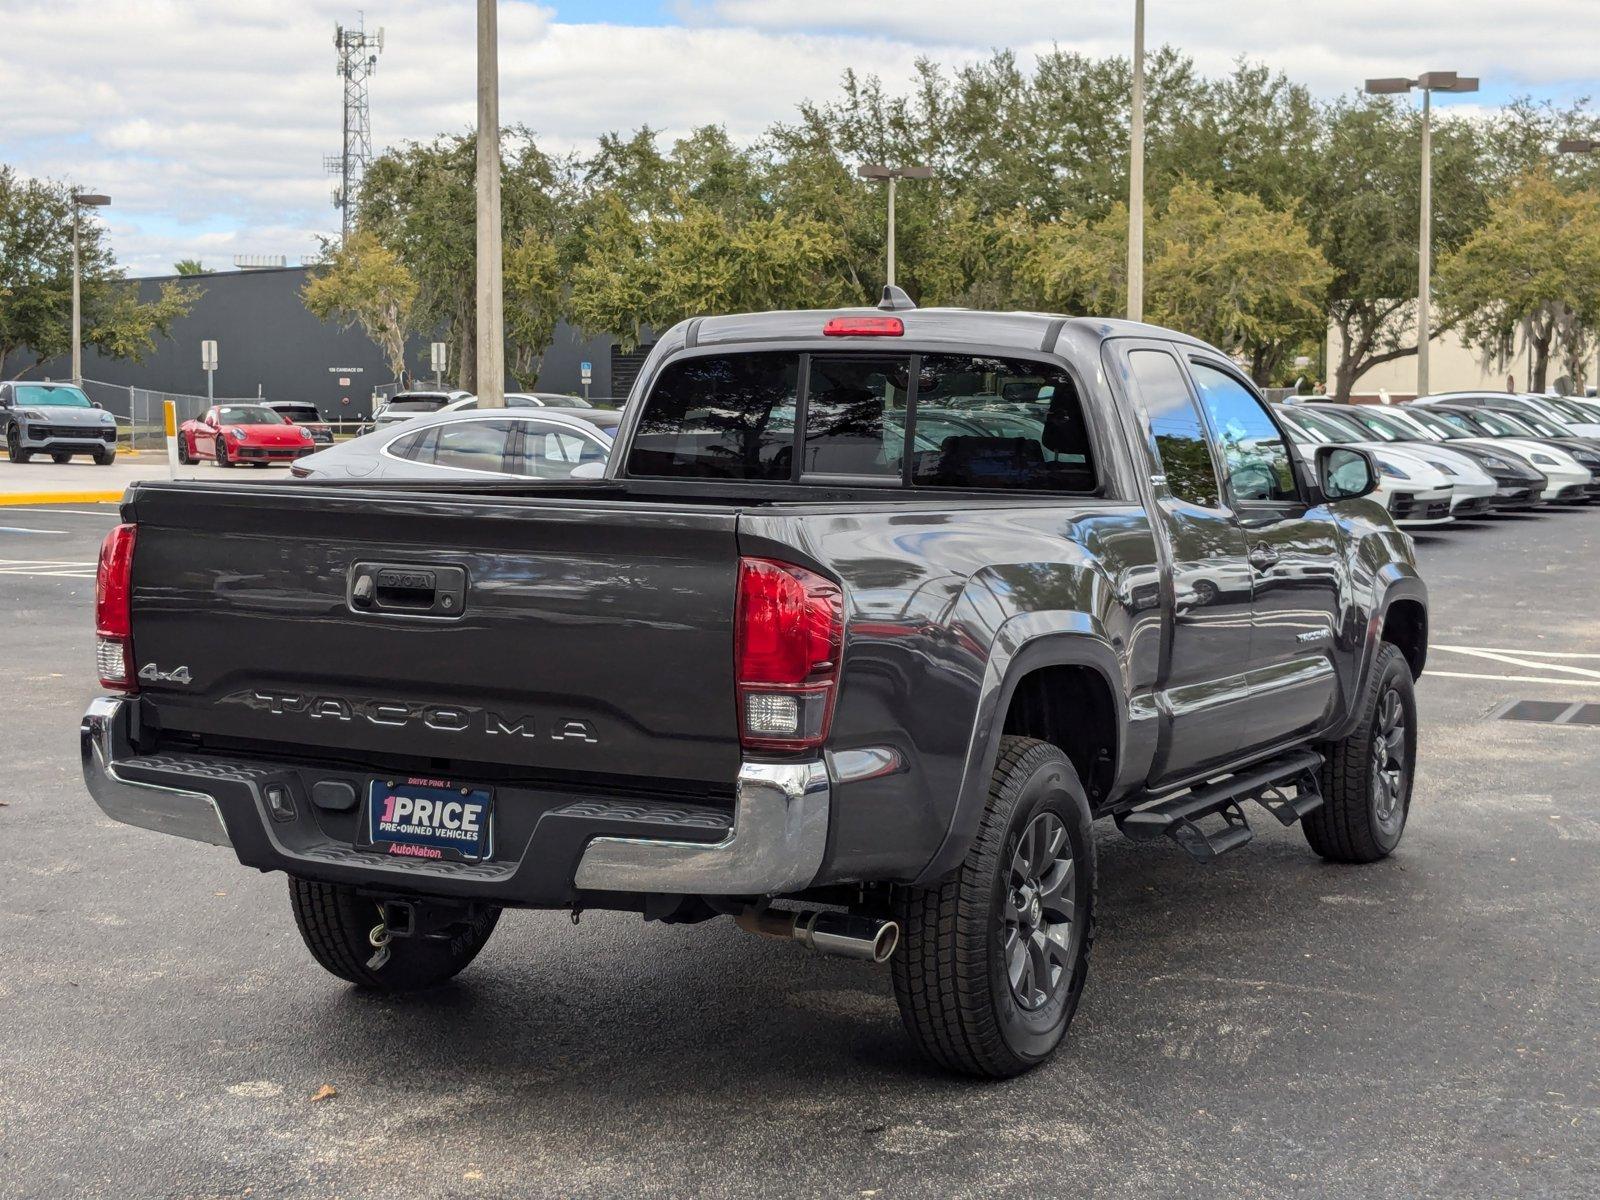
{"type": "Point", "coordinates": [141, 412]}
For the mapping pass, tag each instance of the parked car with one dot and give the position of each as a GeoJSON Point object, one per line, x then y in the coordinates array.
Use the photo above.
{"type": "Point", "coordinates": [548, 443]}
{"type": "Point", "coordinates": [55, 419]}
{"type": "Point", "coordinates": [1416, 494]}
{"type": "Point", "coordinates": [1517, 484]}
{"type": "Point", "coordinates": [1570, 481]}
{"type": "Point", "coordinates": [304, 414]}
{"type": "Point", "coordinates": [1549, 407]}
{"type": "Point", "coordinates": [242, 433]}
{"type": "Point", "coordinates": [1472, 488]}
{"type": "Point", "coordinates": [402, 406]}
{"type": "Point", "coordinates": [525, 400]}
{"type": "Point", "coordinates": [846, 690]}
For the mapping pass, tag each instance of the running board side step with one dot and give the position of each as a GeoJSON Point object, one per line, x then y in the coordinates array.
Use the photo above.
{"type": "Point", "coordinates": [1285, 786]}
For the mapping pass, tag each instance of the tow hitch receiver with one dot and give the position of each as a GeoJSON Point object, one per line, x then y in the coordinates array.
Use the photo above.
{"type": "Point", "coordinates": [1286, 787]}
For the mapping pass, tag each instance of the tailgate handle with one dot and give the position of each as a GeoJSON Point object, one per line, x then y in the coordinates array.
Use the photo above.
{"type": "Point", "coordinates": [413, 591]}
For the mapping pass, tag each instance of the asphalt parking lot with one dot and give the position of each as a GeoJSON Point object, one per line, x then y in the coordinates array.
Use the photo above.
{"type": "Point", "coordinates": [1270, 1025]}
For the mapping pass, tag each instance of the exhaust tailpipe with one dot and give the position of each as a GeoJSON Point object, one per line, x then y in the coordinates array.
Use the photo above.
{"type": "Point", "coordinates": [864, 938]}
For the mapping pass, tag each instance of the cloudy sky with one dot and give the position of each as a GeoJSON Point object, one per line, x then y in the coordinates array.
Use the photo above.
{"type": "Point", "coordinates": [207, 120]}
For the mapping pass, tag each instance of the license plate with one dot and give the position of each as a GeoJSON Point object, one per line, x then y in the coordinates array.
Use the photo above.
{"type": "Point", "coordinates": [428, 818]}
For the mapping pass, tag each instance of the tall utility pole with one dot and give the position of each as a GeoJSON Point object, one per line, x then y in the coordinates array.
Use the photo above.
{"type": "Point", "coordinates": [893, 175]}
{"type": "Point", "coordinates": [491, 369]}
{"type": "Point", "coordinates": [358, 57]}
{"type": "Point", "coordinates": [80, 201]}
{"type": "Point", "coordinates": [1428, 83]}
{"type": "Point", "coordinates": [1136, 173]}
{"type": "Point", "coordinates": [1581, 145]}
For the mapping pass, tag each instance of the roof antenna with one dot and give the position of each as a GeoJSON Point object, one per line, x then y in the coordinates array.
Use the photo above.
{"type": "Point", "coordinates": [895, 300]}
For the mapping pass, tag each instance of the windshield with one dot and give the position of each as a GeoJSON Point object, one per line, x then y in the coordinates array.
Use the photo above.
{"type": "Point", "coordinates": [248, 414]}
{"type": "Point", "coordinates": [1325, 427]}
{"type": "Point", "coordinates": [417, 404]}
{"type": "Point", "coordinates": [52, 395]}
{"type": "Point", "coordinates": [1370, 423]}
{"type": "Point", "coordinates": [1500, 425]}
{"type": "Point", "coordinates": [1536, 424]}
{"type": "Point", "coordinates": [1436, 424]}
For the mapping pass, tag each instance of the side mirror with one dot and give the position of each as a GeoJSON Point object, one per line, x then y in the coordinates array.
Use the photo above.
{"type": "Point", "coordinates": [1345, 473]}
{"type": "Point", "coordinates": [94, 404]}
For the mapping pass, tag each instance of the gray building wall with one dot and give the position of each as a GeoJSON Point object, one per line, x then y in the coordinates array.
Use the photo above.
{"type": "Point", "coordinates": [268, 342]}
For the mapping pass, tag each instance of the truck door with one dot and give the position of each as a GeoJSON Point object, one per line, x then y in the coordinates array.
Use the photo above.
{"type": "Point", "coordinates": [1294, 554]}
{"type": "Point", "coordinates": [1204, 685]}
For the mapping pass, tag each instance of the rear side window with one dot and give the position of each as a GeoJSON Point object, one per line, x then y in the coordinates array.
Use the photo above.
{"type": "Point", "coordinates": [720, 417]}
{"type": "Point", "coordinates": [984, 422]}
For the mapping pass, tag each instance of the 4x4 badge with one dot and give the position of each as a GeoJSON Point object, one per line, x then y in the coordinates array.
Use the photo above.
{"type": "Point", "coordinates": [151, 673]}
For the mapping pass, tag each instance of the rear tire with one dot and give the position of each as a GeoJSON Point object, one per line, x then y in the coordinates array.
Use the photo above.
{"type": "Point", "coordinates": [994, 959]}
{"type": "Point", "coordinates": [1366, 779]}
{"type": "Point", "coordinates": [336, 922]}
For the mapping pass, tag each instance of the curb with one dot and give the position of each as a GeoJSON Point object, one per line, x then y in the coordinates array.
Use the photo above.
{"type": "Point", "coordinates": [35, 498]}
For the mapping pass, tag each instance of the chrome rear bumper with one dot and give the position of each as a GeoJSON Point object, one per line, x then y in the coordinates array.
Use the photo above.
{"type": "Point", "coordinates": [147, 805]}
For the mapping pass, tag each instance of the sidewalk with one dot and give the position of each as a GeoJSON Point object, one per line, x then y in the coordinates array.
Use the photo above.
{"type": "Point", "coordinates": [82, 482]}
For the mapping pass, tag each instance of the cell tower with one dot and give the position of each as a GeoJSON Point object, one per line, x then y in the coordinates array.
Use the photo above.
{"type": "Point", "coordinates": [358, 58]}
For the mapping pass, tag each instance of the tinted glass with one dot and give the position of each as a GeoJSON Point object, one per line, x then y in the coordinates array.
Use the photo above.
{"type": "Point", "coordinates": [855, 416]}
{"type": "Point", "coordinates": [472, 445]}
{"type": "Point", "coordinates": [1255, 456]}
{"type": "Point", "coordinates": [991, 422]}
{"type": "Point", "coordinates": [1179, 432]}
{"type": "Point", "coordinates": [416, 404]}
{"type": "Point", "coordinates": [552, 452]}
{"type": "Point", "coordinates": [45, 395]}
{"type": "Point", "coordinates": [247, 414]}
{"type": "Point", "coordinates": [1372, 425]}
{"type": "Point", "coordinates": [719, 417]}
{"type": "Point", "coordinates": [299, 412]}
{"type": "Point", "coordinates": [1325, 428]}
{"type": "Point", "coordinates": [1436, 424]}
{"type": "Point", "coordinates": [417, 447]}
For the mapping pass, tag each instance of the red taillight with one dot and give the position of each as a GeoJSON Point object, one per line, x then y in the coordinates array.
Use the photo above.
{"type": "Point", "coordinates": [113, 618]}
{"type": "Point", "coordinates": [864, 327]}
{"type": "Point", "coordinates": [789, 635]}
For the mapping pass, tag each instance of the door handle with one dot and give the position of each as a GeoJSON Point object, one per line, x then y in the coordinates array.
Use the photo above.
{"type": "Point", "coordinates": [1263, 557]}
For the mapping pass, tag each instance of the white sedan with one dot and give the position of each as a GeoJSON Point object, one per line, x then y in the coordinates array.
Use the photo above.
{"type": "Point", "coordinates": [1415, 494]}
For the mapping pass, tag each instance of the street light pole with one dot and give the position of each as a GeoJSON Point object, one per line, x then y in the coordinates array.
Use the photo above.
{"type": "Point", "coordinates": [892, 175]}
{"type": "Point", "coordinates": [80, 200]}
{"type": "Point", "coordinates": [491, 374]}
{"type": "Point", "coordinates": [1136, 173]}
{"type": "Point", "coordinates": [1428, 83]}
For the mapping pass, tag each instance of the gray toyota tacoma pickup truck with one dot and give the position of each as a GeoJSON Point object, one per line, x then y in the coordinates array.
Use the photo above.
{"type": "Point", "coordinates": [873, 613]}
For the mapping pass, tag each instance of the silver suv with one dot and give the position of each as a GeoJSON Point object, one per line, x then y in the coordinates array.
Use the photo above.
{"type": "Point", "coordinates": [55, 419]}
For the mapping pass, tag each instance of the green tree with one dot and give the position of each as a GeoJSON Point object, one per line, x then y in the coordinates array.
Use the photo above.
{"type": "Point", "coordinates": [1362, 205]}
{"type": "Point", "coordinates": [419, 202]}
{"type": "Point", "coordinates": [189, 266]}
{"type": "Point", "coordinates": [36, 282]}
{"type": "Point", "coordinates": [534, 301]}
{"type": "Point", "coordinates": [1531, 274]}
{"type": "Point", "coordinates": [655, 270]}
{"type": "Point", "coordinates": [363, 282]}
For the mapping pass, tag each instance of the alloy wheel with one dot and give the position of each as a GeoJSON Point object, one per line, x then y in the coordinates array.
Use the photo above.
{"type": "Point", "coordinates": [1038, 918]}
{"type": "Point", "coordinates": [1389, 763]}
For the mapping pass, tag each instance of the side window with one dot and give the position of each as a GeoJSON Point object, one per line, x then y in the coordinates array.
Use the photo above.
{"type": "Point", "coordinates": [1179, 431]}
{"type": "Point", "coordinates": [855, 416]}
{"type": "Point", "coordinates": [416, 447]}
{"type": "Point", "coordinates": [1255, 457]}
{"type": "Point", "coordinates": [719, 417]}
{"type": "Point", "coordinates": [550, 452]}
{"type": "Point", "coordinates": [472, 445]}
{"type": "Point", "coordinates": [989, 422]}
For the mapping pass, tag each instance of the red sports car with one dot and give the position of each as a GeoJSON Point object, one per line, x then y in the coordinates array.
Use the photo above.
{"type": "Point", "coordinates": [243, 433]}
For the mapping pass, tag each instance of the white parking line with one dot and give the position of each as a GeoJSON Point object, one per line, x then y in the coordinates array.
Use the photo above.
{"type": "Point", "coordinates": [48, 568]}
{"type": "Point", "coordinates": [24, 529]}
{"type": "Point", "coordinates": [1547, 680]}
{"type": "Point", "coordinates": [1520, 660]}
{"type": "Point", "coordinates": [110, 510]}
{"type": "Point", "coordinates": [1504, 650]}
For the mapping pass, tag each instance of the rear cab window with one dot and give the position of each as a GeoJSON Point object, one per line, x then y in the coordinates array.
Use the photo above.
{"type": "Point", "coordinates": [907, 419]}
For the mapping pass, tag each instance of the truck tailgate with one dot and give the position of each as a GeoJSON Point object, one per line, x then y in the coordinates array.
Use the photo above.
{"type": "Point", "coordinates": [592, 637]}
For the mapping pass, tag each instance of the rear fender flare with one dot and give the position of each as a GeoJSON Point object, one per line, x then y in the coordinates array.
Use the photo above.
{"type": "Point", "coordinates": [1023, 644]}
